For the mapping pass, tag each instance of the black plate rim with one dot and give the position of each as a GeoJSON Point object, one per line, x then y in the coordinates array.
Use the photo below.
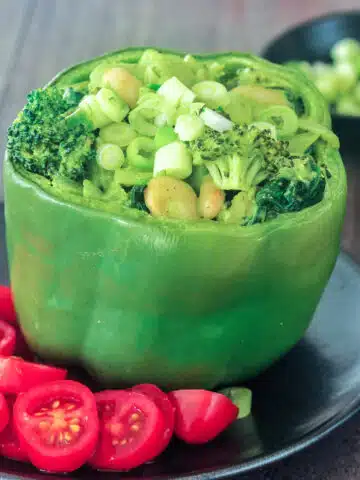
{"type": "Point", "coordinates": [307, 24]}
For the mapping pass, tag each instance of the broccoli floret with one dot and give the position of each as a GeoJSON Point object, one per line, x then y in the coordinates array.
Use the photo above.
{"type": "Point", "coordinates": [293, 189]}
{"type": "Point", "coordinates": [40, 141]}
{"type": "Point", "coordinates": [240, 158]}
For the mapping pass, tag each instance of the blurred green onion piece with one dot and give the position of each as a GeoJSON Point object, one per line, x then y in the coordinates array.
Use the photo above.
{"type": "Point", "coordinates": [241, 397]}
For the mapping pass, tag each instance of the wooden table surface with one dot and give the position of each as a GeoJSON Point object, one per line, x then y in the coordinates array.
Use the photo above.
{"type": "Point", "coordinates": [40, 37]}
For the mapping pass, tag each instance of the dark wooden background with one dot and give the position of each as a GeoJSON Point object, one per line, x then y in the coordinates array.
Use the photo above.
{"type": "Point", "coordinates": [40, 37]}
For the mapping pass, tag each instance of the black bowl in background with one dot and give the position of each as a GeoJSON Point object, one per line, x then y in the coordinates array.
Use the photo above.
{"type": "Point", "coordinates": [312, 41]}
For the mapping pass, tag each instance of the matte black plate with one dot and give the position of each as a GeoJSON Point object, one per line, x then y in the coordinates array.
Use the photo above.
{"type": "Point", "coordinates": [306, 395]}
{"type": "Point", "coordinates": [312, 41]}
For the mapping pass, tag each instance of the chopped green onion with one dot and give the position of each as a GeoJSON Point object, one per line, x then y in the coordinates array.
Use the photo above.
{"type": "Point", "coordinates": [140, 153]}
{"type": "Point", "coordinates": [189, 127]}
{"type": "Point", "coordinates": [120, 134]}
{"type": "Point", "coordinates": [326, 134]}
{"type": "Point", "coordinates": [164, 136]}
{"type": "Point", "coordinates": [176, 92]}
{"type": "Point", "coordinates": [154, 86]}
{"type": "Point", "coordinates": [301, 142]}
{"type": "Point", "coordinates": [131, 176]}
{"type": "Point", "coordinates": [110, 156]}
{"type": "Point", "coordinates": [265, 126]}
{"type": "Point", "coordinates": [214, 94]}
{"type": "Point", "coordinates": [173, 160]}
{"type": "Point", "coordinates": [346, 76]}
{"type": "Point", "coordinates": [141, 119]}
{"type": "Point", "coordinates": [347, 106]}
{"type": "Point", "coordinates": [215, 121]}
{"type": "Point", "coordinates": [112, 105]}
{"type": "Point", "coordinates": [241, 397]}
{"type": "Point", "coordinates": [347, 49]}
{"type": "Point", "coordinates": [161, 120]}
{"type": "Point", "coordinates": [284, 119]}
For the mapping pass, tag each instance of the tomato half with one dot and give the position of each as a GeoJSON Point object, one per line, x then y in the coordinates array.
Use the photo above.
{"type": "Point", "coordinates": [17, 375]}
{"type": "Point", "coordinates": [58, 425]}
{"type": "Point", "coordinates": [201, 415]}
{"type": "Point", "coordinates": [131, 430]}
{"type": "Point", "coordinates": [7, 308]}
{"type": "Point", "coordinates": [9, 440]}
{"type": "Point", "coordinates": [7, 339]}
{"type": "Point", "coordinates": [162, 401]}
{"type": "Point", "coordinates": [4, 412]}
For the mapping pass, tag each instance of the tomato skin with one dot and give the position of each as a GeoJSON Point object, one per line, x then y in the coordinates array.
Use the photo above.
{"type": "Point", "coordinates": [7, 339]}
{"type": "Point", "coordinates": [7, 308]}
{"type": "Point", "coordinates": [162, 401]}
{"type": "Point", "coordinates": [4, 412]}
{"type": "Point", "coordinates": [114, 406]}
{"type": "Point", "coordinates": [201, 415]}
{"type": "Point", "coordinates": [47, 456]}
{"type": "Point", "coordinates": [17, 375]}
{"type": "Point", "coordinates": [9, 440]}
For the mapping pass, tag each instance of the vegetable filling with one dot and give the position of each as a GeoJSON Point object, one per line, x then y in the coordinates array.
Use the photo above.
{"type": "Point", "coordinates": [175, 138]}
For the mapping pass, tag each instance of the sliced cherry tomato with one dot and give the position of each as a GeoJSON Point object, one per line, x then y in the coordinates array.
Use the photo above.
{"type": "Point", "coordinates": [162, 401]}
{"type": "Point", "coordinates": [201, 415]}
{"type": "Point", "coordinates": [4, 413]}
{"type": "Point", "coordinates": [9, 440]}
{"type": "Point", "coordinates": [131, 430]}
{"type": "Point", "coordinates": [7, 308]}
{"type": "Point", "coordinates": [17, 375]}
{"type": "Point", "coordinates": [58, 425]}
{"type": "Point", "coordinates": [7, 339]}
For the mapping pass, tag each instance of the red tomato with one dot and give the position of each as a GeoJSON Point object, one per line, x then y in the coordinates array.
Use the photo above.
{"type": "Point", "coordinates": [162, 401]}
{"type": "Point", "coordinates": [7, 308]}
{"type": "Point", "coordinates": [7, 339]}
{"type": "Point", "coordinates": [17, 375]}
{"type": "Point", "coordinates": [58, 425]}
{"type": "Point", "coordinates": [4, 413]}
{"type": "Point", "coordinates": [9, 440]}
{"type": "Point", "coordinates": [131, 430]}
{"type": "Point", "coordinates": [201, 415]}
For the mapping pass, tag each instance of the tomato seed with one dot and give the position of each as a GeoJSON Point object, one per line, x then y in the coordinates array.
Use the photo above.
{"type": "Point", "coordinates": [56, 404]}
{"type": "Point", "coordinates": [74, 421]}
{"type": "Point", "coordinates": [115, 442]}
{"type": "Point", "coordinates": [123, 442]}
{"type": "Point", "coordinates": [135, 427]}
{"type": "Point", "coordinates": [68, 437]}
{"type": "Point", "coordinates": [134, 417]}
{"type": "Point", "coordinates": [75, 428]}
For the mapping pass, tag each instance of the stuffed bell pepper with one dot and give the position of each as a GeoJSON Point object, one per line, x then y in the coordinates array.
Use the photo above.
{"type": "Point", "coordinates": [172, 218]}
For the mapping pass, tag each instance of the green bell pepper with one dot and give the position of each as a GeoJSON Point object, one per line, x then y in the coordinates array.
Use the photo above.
{"type": "Point", "coordinates": [136, 299]}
